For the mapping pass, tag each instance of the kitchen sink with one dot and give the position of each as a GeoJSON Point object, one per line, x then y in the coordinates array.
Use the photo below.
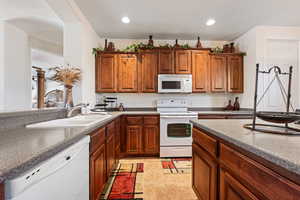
{"type": "Point", "coordinates": [77, 121]}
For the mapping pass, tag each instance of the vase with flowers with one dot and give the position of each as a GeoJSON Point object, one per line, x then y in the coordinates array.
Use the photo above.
{"type": "Point", "coordinates": [67, 76]}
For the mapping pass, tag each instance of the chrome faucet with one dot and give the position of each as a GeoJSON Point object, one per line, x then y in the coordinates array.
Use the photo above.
{"type": "Point", "coordinates": [75, 108]}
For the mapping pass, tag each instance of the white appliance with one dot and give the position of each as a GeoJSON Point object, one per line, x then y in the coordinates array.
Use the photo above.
{"type": "Point", "coordinates": [175, 128]}
{"type": "Point", "coordinates": [62, 177]}
{"type": "Point", "coordinates": [174, 83]}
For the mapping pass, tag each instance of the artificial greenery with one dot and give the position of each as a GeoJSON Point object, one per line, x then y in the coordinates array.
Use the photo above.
{"type": "Point", "coordinates": [217, 50]}
{"type": "Point", "coordinates": [185, 46]}
{"type": "Point", "coordinates": [136, 47]}
{"type": "Point", "coordinates": [96, 50]}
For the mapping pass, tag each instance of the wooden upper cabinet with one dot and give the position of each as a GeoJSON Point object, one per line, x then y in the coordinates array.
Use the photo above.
{"type": "Point", "coordinates": [127, 73]}
{"type": "Point", "coordinates": [183, 62]}
{"type": "Point", "coordinates": [232, 189]}
{"type": "Point", "coordinates": [149, 65]}
{"type": "Point", "coordinates": [218, 73]}
{"type": "Point", "coordinates": [106, 73]}
{"type": "Point", "coordinates": [166, 62]}
{"type": "Point", "coordinates": [235, 74]}
{"type": "Point", "coordinates": [200, 68]}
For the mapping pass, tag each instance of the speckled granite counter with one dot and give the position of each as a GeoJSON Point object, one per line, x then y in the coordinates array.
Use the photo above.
{"type": "Point", "coordinates": [23, 148]}
{"type": "Point", "coordinates": [280, 150]}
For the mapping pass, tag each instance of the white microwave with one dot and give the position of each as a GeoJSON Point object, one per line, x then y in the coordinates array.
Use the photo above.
{"type": "Point", "coordinates": [174, 83]}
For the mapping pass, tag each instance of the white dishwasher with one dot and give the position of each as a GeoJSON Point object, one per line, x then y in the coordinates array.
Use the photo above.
{"type": "Point", "coordinates": [62, 177]}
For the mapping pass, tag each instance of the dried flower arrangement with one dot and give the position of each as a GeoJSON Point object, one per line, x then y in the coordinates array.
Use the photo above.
{"type": "Point", "coordinates": [67, 76]}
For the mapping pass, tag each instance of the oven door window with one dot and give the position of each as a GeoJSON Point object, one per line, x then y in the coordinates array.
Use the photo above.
{"type": "Point", "coordinates": [179, 130]}
{"type": "Point", "coordinates": [171, 85]}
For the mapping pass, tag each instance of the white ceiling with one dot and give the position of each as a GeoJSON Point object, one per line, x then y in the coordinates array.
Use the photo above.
{"type": "Point", "coordinates": [35, 17]}
{"type": "Point", "coordinates": [185, 19]}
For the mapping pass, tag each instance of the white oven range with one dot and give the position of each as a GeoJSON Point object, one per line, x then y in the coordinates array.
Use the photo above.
{"type": "Point", "coordinates": [175, 128]}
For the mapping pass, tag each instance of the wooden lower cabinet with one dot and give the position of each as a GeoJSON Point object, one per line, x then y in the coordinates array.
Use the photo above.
{"type": "Point", "coordinates": [110, 155]}
{"type": "Point", "coordinates": [151, 139]}
{"type": "Point", "coordinates": [97, 173]}
{"type": "Point", "coordinates": [1, 191]}
{"type": "Point", "coordinates": [239, 176]}
{"type": "Point", "coordinates": [232, 189]}
{"type": "Point", "coordinates": [142, 135]}
{"type": "Point", "coordinates": [205, 171]}
{"type": "Point", "coordinates": [134, 139]}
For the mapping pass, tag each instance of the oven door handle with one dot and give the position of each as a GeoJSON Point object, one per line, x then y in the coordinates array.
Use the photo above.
{"type": "Point", "coordinates": [176, 117]}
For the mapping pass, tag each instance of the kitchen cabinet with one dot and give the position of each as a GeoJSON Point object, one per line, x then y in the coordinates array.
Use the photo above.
{"type": "Point", "coordinates": [97, 172]}
{"type": "Point", "coordinates": [218, 73]}
{"type": "Point", "coordinates": [102, 156]}
{"type": "Point", "coordinates": [142, 135]}
{"type": "Point", "coordinates": [1, 191]}
{"type": "Point", "coordinates": [151, 135]}
{"type": "Point", "coordinates": [200, 69]}
{"type": "Point", "coordinates": [127, 73]}
{"type": "Point", "coordinates": [237, 174]}
{"type": "Point", "coordinates": [138, 72]}
{"type": "Point", "coordinates": [232, 189]}
{"type": "Point", "coordinates": [134, 139]}
{"type": "Point", "coordinates": [110, 147]}
{"type": "Point", "coordinates": [183, 60]}
{"type": "Point", "coordinates": [106, 73]}
{"type": "Point", "coordinates": [235, 69]}
{"type": "Point", "coordinates": [117, 139]}
{"type": "Point", "coordinates": [166, 61]}
{"type": "Point", "coordinates": [149, 67]}
{"type": "Point", "coordinates": [204, 174]}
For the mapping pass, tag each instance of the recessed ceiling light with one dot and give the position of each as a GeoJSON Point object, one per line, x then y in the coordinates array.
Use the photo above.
{"type": "Point", "coordinates": [210, 22]}
{"type": "Point", "coordinates": [125, 20]}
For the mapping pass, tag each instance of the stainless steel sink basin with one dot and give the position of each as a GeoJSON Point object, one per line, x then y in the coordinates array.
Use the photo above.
{"type": "Point", "coordinates": [77, 121]}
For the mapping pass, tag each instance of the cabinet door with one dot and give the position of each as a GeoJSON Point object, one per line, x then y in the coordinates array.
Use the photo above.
{"type": "Point", "coordinates": [200, 68]}
{"type": "Point", "coordinates": [235, 74]}
{"type": "Point", "coordinates": [128, 73]}
{"type": "Point", "coordinates": [110, 155]}
{"type": "Point", "coordinates": [151, 139]}
{"type": "Point", "coordinates": [149, 65]}
{"type": "Point", "coordinates": [218, 73]}
{"type": "Point", "coordinates": [97, 173]}
{"type": "Point", "coordinates": [134, 139]}
{"type": "Point", "coordinates": [204, 175]}
{"type": "Point", "coordinates": [232, 189]}
{"type": "Point", "coordinates": [183, 62]}
{"type": "Point", "coordinates": [165, 62]}
{"type": "Point", "coordinates": [106, 73]}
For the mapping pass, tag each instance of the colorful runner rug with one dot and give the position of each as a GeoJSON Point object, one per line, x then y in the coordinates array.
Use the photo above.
{"type": "Point", "coordinates": [125, 183]}
{"type": "Point", "coordinates": [177, 165]}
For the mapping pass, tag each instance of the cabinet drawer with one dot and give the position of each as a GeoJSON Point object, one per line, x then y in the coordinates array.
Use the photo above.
{"type": "Point", "coordinates": [261, 179]}
{"type": "Point", "coordinates": [151, 120]}
{"type": "Point", "coordinates": [134, 120]}
{"type": "Point", "coordinates": [206, 142]}
{"type": "Point", "coordinates": [97, 139]}
{"type": "Point", "coordinates": [110, 129]}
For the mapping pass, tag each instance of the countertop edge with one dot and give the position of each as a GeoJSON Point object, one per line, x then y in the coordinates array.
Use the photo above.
{"type": "Point", "coordinates": [287, 165]}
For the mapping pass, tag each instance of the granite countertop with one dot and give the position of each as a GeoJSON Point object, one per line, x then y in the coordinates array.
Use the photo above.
{"type": "Point", "coordinates": [24, 148]}
{"type": "Point", "coordinates": [280, 150]}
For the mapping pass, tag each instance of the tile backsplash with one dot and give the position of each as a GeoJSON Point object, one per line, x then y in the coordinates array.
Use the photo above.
{"type": "Point", "coordinates": [131, 100]}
